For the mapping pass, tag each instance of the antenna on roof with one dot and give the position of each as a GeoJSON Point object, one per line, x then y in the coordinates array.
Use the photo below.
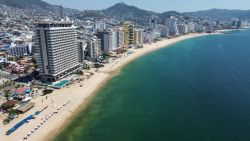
{"type": "Point", "coordinates": [61, 11]}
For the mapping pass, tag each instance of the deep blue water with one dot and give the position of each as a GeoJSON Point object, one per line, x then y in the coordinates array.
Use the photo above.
{"type": "Point", "coordinates": [195, 90]}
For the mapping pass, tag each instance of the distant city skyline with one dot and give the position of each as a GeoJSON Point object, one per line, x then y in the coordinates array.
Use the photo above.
{"type": "Point", "coordinates": [156, 5]}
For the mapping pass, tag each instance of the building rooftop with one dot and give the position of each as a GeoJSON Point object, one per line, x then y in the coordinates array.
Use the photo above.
{"type": "Point", "coordinates": [50, 23]}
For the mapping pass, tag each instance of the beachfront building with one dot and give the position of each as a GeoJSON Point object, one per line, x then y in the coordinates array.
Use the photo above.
{"type": "Point", "coordinates": [129, 33]}
{"type": "Point", "coordinates": [147, 36]}
{"type": "Point", "coordinates": [82, 45]}
{"type": "Point", "coordinates": [93, 48]}
{"type": "Point", "coordinates": [121, 38]}
{"type": "Point", "coordinates": [191, 27]}
{"type": "Point", "coordinates": [199, 28]}
{"type": "Point", "coordinates": [106, 40]}
{"type": "Point", "coordinates": [236, 23]}
{"type": "Point", "coordinates": [109, 40]}
{"type": "Point", "coordinates": [114, 40]}
{"type": "Point", "coordinates": [153, 22]}
{"type": "Point", "coordinates": [164, 31]}
{"type": "Point", "coordinates": [182, 28]}
{"type": "Point", "coordinates": [171, 24]}
{"type": "Point", "coordinates": [138, 36]}
{"type": "Point", "coordinates": [55, 49]}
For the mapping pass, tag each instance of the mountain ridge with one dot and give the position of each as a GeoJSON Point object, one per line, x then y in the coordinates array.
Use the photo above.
{"type": "Point", "coordinates": [122, 11]}
{"type": "Point", "coordinates": [221, 13]}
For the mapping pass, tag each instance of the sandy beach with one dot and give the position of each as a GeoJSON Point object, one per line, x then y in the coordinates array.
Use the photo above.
{"type": "Point", "coordinates": [76, 96]}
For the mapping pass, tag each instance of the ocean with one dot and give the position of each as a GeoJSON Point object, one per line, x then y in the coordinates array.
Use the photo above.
{"type": "Point", "coordinates": [196, 90]}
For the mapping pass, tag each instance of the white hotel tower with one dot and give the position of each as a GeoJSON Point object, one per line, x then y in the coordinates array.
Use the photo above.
{"type": "Point", "coordinates": [55, 49]}
{"type": "Point", "coordinates": [171, 24]}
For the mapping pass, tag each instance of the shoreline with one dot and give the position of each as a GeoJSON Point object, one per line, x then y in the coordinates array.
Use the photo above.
{"type": "Point", "coordinates": [80, 96]}
{"type": "Point", "coordinates": [229, 30]}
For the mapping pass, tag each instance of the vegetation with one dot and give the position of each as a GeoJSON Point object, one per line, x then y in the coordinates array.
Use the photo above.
{"type": "Point", "coordinates": [7, 94]}
{"type": "Point", "coordinates": [79, 72]}
{"type": "Point", "coordinates": [105, 56]}
{"type": "Point", "coordinates": [139, 46]}
{"type": "Point", "coordinates": [6, 121]}
{"type": "Point", "coordinates": [6, 84]}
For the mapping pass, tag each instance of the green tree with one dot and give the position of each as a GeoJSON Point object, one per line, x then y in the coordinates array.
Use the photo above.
{"type": "Point", "coordinates": [7, 95]}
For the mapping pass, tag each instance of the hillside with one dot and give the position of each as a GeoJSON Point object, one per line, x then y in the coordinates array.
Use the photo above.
{"type": "Point", "coordinates": [41, 7]}
{"type": "Point", "coordinates": [221, 14]}
{"type": "Point", "coordinates": [24, 4]}
{"type": "Point", "coordinates": [123, 12]}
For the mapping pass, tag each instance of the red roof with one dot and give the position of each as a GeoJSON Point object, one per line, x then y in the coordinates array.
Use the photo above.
{"type": "Point", "coordinates": [21, 90]}
{"type": "Point", "coordinates": [10, 102]}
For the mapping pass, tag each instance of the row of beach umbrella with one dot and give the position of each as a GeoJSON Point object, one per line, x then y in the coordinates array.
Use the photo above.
{"type": "Point", "coordinates": [43, 121]}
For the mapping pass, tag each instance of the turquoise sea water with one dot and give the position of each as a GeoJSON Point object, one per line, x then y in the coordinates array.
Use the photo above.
{"type": "Point", "coordinates": [196, 90]}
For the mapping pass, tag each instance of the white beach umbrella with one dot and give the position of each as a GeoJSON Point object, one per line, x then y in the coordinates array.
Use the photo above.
{"type": "Point", "coordinates": [29, 134]}
{"type": "Point", "coordinates": [32, 131]}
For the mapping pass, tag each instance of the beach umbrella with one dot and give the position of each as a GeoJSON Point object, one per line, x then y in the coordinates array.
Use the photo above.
{"type": "Point", "coordinates": [32, 131]}
{"type": "Point", "coordinates": [29, 134]}
{"type": "Point", "coordinates": [25, 137]}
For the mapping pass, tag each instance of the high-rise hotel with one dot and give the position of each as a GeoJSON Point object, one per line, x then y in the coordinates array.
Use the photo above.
{"type": "Point", "coordinates": [171, 24]}
{"type": "Point", "coordinates": [129, 33]}
{"type": "Point", "coordinates": [56, 49]}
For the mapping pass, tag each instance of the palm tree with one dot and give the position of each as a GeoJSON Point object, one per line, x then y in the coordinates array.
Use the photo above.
{"type": "Point", "coordinates": [7, 95]}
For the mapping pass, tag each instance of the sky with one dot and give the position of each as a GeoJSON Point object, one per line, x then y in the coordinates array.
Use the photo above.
{"type": "Point", "coordinates": [156, 5]}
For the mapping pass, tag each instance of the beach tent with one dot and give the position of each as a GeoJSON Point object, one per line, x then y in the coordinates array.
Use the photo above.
{"type": "Point", "coordinates": [24, 108]}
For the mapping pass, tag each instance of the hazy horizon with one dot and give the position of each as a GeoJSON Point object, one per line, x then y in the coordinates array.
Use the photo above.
{"type": "Point", "coordinates": [157, 6]}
